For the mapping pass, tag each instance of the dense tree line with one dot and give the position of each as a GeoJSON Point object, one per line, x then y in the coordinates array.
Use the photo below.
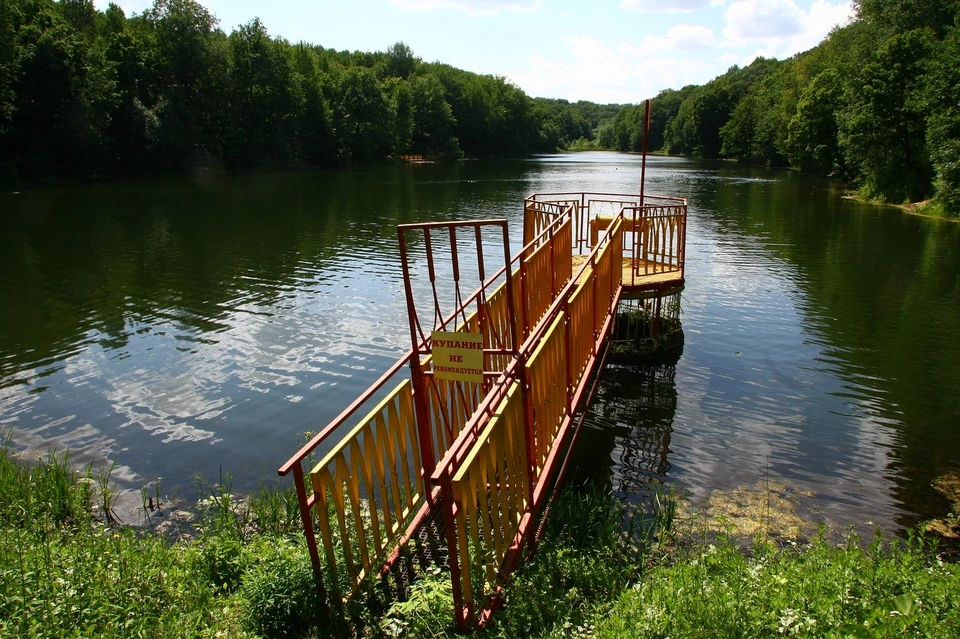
{"type": "Point", "coordinates": [87, 93]}
{"type": "Point", "coordinates": [876, 104]}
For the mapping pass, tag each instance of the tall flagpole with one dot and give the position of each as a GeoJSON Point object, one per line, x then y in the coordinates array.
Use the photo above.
{"type": "Point", "coordinates": [643, 164]}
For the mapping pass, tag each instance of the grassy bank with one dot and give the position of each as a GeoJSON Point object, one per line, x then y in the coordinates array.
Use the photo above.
{"type": "Point", "coordinates": [241, 570]}
{"type": "Point", "coordinates": [926, 208]}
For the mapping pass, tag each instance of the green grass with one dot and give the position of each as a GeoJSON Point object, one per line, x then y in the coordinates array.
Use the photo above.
{"type": "Point", "coordinates": [588, 579]}
{"type": "Point", "coordinates": [68, 569]}
{"type": "Point", "coordinates": [822, 589]}
{"type": "Point", "coordinates": [583, 144]}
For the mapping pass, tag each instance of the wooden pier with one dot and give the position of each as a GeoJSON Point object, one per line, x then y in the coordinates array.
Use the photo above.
{"type": "Point", "coordinates": [464, 437]}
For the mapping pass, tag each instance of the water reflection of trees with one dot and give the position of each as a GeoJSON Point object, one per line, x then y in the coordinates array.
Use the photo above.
{"type": "Point", "coordinates": [94, 260]}
{"type": "Point", "coordinates": [880, 287]}
{"type": "Point", "coordinates": [625, 442]}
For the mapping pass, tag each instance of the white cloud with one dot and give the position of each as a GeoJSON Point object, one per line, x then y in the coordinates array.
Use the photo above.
{"type": "Point", "coordinates": [470, 7]}
{"type": "Point", "coordinates": [822, 17]}
{"type": "Point", "coordinates": [782, 26]}
{"type": "Point", "coordinates": [603, 74]}
{"type": "Point", "coordinates": [682, 37]}
{"type": "Point", "coordinates": [763, 20]}
{"type": "Point", "coordinates": [588, 48]}
{"type": "Point", "coordinates": [670, 6]}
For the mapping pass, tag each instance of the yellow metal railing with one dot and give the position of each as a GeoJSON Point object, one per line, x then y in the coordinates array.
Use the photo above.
{"type": "Point", "coordinates": [519, 438]}
{"type": "Point", "coordinates": [580, 307]}
{"type": "Point", "coordinates": [536, 285]}
{"type": "Point", "coordinates": [451, 405]}
{"type": "Point", "coordinates": [368, 488]}
{"type": "Point", "coordinates": [491, 494]}
{"type": "Point", "coordinates": [498, 331]}
{"type": "Point", "coordinates": [542, 270]}
{"type": "Point", "coordinates": [489, 448]}
{"type": "Point", "coordinates": [562, 264]}
{"type": "Point", "coordinates": [547, 381]}
{"type": "Point", "coordinates": [539, 215]}
{"type": "Point", "coordinates": [660, 238]}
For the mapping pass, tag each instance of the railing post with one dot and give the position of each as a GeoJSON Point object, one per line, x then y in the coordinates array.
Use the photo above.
{"type": "Point", "coordinates": [553, 272]}
{"type": "Point", "coordinates": [460, 612]}
{"type": "Point", "coordinates": [527, 407]}
{"type": "Point", "coordinates": [593, 311]}
{"type": "Point", "coordinates": [568, 345]}
{"type": "Point", "coordinates": [307, 520]}
{"type": "Point", "coordinates": [427, 456]}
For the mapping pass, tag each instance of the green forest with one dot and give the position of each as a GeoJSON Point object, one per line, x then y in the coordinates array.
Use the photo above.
{"type": "Point", "coordinates": [876, 105]}
{"type": "Point", "coordinates": [88, 94]}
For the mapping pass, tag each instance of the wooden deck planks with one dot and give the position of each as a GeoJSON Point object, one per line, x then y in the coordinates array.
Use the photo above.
{"type": "Point", "coordinates": [639, 281]}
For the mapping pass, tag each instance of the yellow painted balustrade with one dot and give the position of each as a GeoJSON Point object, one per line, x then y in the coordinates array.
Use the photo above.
{"type": "Point", "coordinates": [491, 491]}
{"type": "Point", "coordinates": [602, 272]}
{"type": "Point", "coordinates": [491, 483]}
{"type": "Point", "coordinates": [538, 215]}
{"type": "Point", "coordinates": [537, 287]}
{"type": "Point", "coordinates": [498, 330]}
{"type": "Point", "coordinates": [661, 239]}
{"type": "Point", "coordinates": [451, 405]}
{"type": "Point", "coordinates": [607, 275]}
{"type": "Point", "coordinates": [537, 280]}
{"type": "Point", "coordinates": [562, 264]}
{"type": "Point", "coordinates": [547, 381]}
{"type": "Point", "coordinates": [580, 307]}
{"type": "Point", "coordinates": [368, 488]}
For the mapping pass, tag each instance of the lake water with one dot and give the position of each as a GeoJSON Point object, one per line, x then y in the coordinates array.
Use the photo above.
{"type": "Point", "coordinates": [180, 326]}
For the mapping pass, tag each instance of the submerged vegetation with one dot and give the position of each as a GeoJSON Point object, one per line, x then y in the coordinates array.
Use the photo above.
{"type": "Point", "coordinates": [67, 568]}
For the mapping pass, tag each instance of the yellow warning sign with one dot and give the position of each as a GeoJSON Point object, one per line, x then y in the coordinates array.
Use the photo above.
{"type": "Point", "coordinates": [458, 356]}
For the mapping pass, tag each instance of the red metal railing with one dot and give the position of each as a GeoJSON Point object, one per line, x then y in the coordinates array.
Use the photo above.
{"type": "Point", "coordinates": [445, 406]}
{"type": "Point", "coordinates": [655, 230]}
{"type": "Point", "coordinates": [557, 339]}
{"type": "Point", "coordinates": [483, 452]}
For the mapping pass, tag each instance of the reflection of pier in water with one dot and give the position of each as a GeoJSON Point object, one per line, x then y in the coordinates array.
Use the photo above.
{"type": "Point", "coordinates": [625, 440]}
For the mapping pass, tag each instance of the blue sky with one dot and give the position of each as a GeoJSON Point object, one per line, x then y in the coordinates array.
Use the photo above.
{"type": "Point", "coordinates": [602, 51]}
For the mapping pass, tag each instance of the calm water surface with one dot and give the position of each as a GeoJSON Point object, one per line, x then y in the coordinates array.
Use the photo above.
{"type": "Point", "coordinates": [180, 326]}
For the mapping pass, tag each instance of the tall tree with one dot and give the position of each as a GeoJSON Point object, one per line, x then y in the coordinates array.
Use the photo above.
{"type": "Point", "coordinates": [193, 71]}
{"type": "Point", "coordinates": [361, 114]}
{"type": "Point", "coordinates": [401, 62]}
{"type": "Point", "coordinates": [812, 133]}
{"type": "Point", "coordinates": [63, 90]}
{"type": "Point", "coordinates": [884, 127]}
{"type": "Point", "coordinates": [266, 99]}
{"type": "Point", "coordinates": [943, 125]}
{"type": "Point", "coordinates": [433, 121]}
{"type": "Point", "coordinates": [315, 134]}
{"type": "Point", "coordinates": [906, 15]}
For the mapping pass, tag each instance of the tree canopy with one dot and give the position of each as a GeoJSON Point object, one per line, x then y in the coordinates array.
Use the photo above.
{"type": "Point", "coordinates": [875, 104]}
{"type": "Point", "coordinates": [91, 94]}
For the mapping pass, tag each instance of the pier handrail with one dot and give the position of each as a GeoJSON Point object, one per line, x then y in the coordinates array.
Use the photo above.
{"type": "Point", "coordinates": [516, 373]}
{"type": "Point", "coordinates": [488, 405]}
{"type": "Point", "coordinates": [543, 317]}
{"type": "Point", "coordinates": [404, 360]}
{"type": "Point", "coordinates": [307, 501]}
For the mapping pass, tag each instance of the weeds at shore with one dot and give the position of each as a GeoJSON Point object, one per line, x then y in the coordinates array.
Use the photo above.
{"type": "Point", "coordinates": [819, 589]}
{"type": "Point", "coordinates": [67, 569]}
